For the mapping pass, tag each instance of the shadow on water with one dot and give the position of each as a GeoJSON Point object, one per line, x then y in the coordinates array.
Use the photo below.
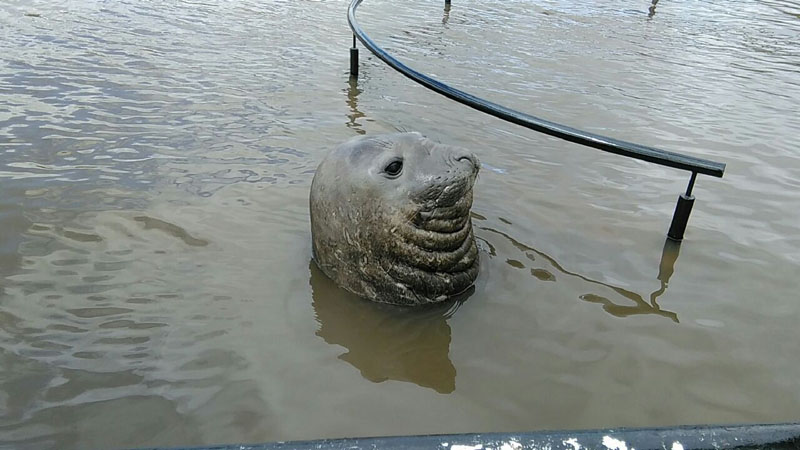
{"type": "Point", "coordinates": [386, 342]}
{"type": "Point", "coordinates": [640, 306]}
{"type": "Point", "coordinates": [446, 15]}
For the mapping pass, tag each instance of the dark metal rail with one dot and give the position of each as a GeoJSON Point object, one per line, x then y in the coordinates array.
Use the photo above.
{"type": "Point", "coordinates": [606, 144]}
{"type": "Point", "coordinates": [740, 437]}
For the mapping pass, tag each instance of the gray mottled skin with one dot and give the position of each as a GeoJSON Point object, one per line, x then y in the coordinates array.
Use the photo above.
{"type": "Point", "coordinates": [406, 239]}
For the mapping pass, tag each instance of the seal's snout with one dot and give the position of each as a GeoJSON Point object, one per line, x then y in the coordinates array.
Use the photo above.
{"type": "Point", "coordinates": [468, 158]}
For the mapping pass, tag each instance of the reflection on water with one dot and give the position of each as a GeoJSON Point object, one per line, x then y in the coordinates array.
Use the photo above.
{"type": "Point", "coordinates": [640, 307]}
{"type": "Point", "coordinates": [171, 229]}
{"type": "Point", "coordinates": [352, 103]}
{"type": "Point", "coordinates": [97, 347]}
{"type": "Point", "coordinates": [386, 342]}
{"type": "Point", "coordinates": [652, 10]}
{"type": "Point", "coordinates": [665, 270]}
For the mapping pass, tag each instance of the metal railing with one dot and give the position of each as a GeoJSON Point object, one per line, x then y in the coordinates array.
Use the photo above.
{"type": "Point", "coordinates": [650, 154]}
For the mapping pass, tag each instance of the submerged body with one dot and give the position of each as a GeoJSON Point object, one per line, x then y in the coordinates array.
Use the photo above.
{"type": "Point", "coordinates": [390, 218]}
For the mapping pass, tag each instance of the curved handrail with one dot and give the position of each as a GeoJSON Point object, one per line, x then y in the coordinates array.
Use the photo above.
{"type": "Point", "coordinates": [642, 152]}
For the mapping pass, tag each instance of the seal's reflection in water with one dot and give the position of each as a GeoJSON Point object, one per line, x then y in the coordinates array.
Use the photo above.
{"type": "Point", "coordinates": [387, 342]}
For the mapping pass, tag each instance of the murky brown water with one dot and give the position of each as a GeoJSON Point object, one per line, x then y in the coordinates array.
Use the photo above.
{"type": "Point", "coordinates": [155, 276]}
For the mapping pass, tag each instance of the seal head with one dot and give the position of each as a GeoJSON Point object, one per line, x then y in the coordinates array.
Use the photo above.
{"type": "Point", "coordinates": [390, 218]}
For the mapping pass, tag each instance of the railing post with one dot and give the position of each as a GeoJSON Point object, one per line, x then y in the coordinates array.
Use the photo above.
{"type": "Point", "coordinates": [446, 2]}
{"type": "Point", "coordinates": [682, 211]}
{"type": "Point", "coordinates": [354, 59]}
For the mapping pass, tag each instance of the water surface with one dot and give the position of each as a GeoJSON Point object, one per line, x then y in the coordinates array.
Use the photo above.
{"type": "Point", "coordinates": [156, 284]}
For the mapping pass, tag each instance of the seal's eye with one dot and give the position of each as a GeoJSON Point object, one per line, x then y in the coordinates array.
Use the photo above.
{"type": "Point", "coordinates": [394, 168]}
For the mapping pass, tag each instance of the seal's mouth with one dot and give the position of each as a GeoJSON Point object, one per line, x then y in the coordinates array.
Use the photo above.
{"type": "Point", "coordinates": [434, 256]}
{"type": "Point", "coordinates": [444, 208]}
{"type": "Point", "coordinates": [449, 217]}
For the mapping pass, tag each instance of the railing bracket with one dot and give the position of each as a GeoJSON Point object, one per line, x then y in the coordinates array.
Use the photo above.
{"type": "Point", "coordinates": [354, 59]}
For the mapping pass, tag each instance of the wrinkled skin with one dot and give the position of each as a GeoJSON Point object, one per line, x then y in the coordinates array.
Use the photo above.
{"type": "Point", "coordinates": [406, 238]}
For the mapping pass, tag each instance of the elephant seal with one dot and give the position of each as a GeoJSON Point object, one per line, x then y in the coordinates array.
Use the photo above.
{"type": "Point", "coordinates": [390, 218]}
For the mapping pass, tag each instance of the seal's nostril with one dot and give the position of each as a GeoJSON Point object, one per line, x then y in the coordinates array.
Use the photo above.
{"type": "Point", "coordinates": [469, 157]}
